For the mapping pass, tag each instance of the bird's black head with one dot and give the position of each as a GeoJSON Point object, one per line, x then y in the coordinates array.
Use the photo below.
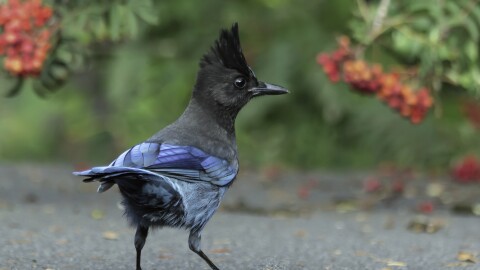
{"type": "Point", "coordinates": [225, 79]}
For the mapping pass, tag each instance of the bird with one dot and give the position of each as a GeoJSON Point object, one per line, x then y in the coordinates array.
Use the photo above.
{"type": "Point", "coordinates": [178, 177]}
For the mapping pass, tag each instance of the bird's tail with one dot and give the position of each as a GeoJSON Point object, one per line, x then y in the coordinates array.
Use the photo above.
{"type": "Point", "coordinates": [106, 175]}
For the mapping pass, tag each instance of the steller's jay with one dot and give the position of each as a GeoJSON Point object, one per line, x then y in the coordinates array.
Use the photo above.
{"type": "Point", "coordinates": [178, 176]}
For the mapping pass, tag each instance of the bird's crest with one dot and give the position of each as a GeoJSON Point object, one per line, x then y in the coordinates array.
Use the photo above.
{"type": "Point", "coordinates": [228, 52]}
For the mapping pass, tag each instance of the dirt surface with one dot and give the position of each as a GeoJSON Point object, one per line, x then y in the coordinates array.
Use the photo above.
{"type": "Point", "coordinates": [51, 220]}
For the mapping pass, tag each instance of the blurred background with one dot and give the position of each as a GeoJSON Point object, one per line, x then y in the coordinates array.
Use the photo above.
{"type": "Point", "coordinates": [138, 62]}
{"type": "Point", "coordinates": [381, 125]}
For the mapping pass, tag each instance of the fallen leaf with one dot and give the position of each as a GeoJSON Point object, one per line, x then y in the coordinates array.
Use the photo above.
{"type": "Point", "coordinates": [367, 229]}
{"type": "Point", "coordinates": [389, 223]}
{"type": "Point", "coordinates": [361, 253]}
{"type": "Point", "coordinates": [476, 209]}
{"type": "Point", "coordinates": [61, 241]}
{"type": "Point", "coordinates": [220, 251]}
{"type": "Point", "coordinates": [110, 235]}
{"type": "Point", "coordinates": [345, 206]}
{"type": "Point", "coordinates": [435, 189]}
{"type": "Point", "coordinates": [361, 217]}
{"type": "Point", "coordinates": [97, 214]}
{"type": "Point", "coordinates": [465, 256]}
{"type": "Point", "coordinates": [55, 229]}
{"type": "Point", "coordinates": [49, 209]}
{"type": "Point", "coordinates": [388, 262]}
{"type": "Point", "coordinates": [394, 263]}
{"type": "Point", "coordinates": [300, 233]}
{"type": "Point", "coordinates": [422, 224]}
{"type": "Point", "coordinates": [337, 252]}
{"type": "Point", "coordinates": [457, 264]}
{"type": "Point", "coordinates": [165, 256]}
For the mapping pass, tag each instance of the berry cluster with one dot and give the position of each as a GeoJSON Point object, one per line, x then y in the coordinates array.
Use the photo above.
{"type": "Point", "coordinates": [371, 79]}
{"type": "Point", "coordinates": [409, 103]}
{"type": "Point", "coordinates": [386, 185]}
{"type": "Point", "coordinates": [467, 170]}
{"type": "Point", "coordinates": [25, 36]}
{"type": "Point", "coordinates": [361, 77]}
{"type": "Point", "coordinates": [331, 63]}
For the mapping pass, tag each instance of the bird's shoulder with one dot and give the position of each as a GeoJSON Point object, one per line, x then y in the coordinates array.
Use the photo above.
{"type": "Point", "coordinates": [213, 141]}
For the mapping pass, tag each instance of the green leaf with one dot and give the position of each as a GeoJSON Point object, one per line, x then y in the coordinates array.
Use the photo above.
{"type": "Point", "coordinates": [471, 50]}
{"type": "Point", "coordinates": [115, 19]}
{"type": "Point", "coordinates": [419, 6]}
{"type": "Point", "coordinates": [475, 13]}
{"type": "Point", "coordinates": [99, 28]}
{"type": "Point", "coordinates": [471, 28]}
{"type": "Point", "coordinates": [444, 51]}
{"type": "Point", "coordinates": [466, 81]}
{"type": "Point", "coordinates": [475, 72]}
{"type": "Point", "coordinates": [434, 35]}
{"type": "Point", "coordinates": [453, 8]}
{"type": "Point", "coordinates": [16, 87]}
{"type": "Point", "coordinates": [131, 24]}
{"type": "Point", "coordinates": [78, 30]}
{"type": "Point", "coordinates": [145, 10]}
{"type": "Point", "coordinates": [422, 23]}
{"type": "Point", "coordinates": [453, 76]}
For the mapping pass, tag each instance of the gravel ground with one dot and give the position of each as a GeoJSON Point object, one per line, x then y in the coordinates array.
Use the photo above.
{"type": "Point", "coordinates": [49, 223]}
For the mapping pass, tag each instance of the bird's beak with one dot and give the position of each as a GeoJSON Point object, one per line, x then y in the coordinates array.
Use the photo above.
{"type": "Point", "coordinates": [267, 89]}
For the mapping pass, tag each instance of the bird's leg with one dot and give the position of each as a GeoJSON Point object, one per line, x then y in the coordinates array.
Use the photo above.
{"type": "Point", "coordinates": [140, 237]}
{"type": "Point", "coordinates": [194, 244]}
{"type": "Point", "coordinates": [205, 258]}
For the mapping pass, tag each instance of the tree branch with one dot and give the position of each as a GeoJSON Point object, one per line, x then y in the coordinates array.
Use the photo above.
{"type": "Point", "coordinates": [379, 18]}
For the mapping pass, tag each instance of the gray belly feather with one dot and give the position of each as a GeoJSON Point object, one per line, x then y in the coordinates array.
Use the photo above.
{"type": "Point", "coordinates": [198, 203]}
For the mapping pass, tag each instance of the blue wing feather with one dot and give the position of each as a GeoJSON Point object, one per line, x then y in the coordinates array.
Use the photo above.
{"type": "Point", "coordinates": [185, 163]}
{"type": "Point", "coordinates": [136, 155]}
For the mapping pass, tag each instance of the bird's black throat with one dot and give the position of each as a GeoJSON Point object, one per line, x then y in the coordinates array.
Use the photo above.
{"type": "Point", "coordinates": [210, 115]}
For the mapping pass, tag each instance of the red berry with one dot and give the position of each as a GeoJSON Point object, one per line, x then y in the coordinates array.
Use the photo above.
{"type": "Point", "coordinates": [25, 44]}
{"type": "Point", "coordinates": [303, 192]}
{"type": "Point", "coordinates": [323, 58]}
{"type": "Point", "coordinates": [426, 207]}
{"type": "Point", "coordinates": [398, 186]}
{"type": "Point", "coordinates": [372, 185]}
{"type": "Point", "coordinates": [468, 170]}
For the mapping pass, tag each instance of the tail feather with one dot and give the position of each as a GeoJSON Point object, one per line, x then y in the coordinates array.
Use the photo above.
{"type": "Point", "coordinates": [106, 175]}
{"type": "Point", "coordinates": [148, 197]}
{"type": "Point", "coordinates": [105, 186]}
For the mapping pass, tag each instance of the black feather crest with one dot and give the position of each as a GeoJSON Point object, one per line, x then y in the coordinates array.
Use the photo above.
{"type": "Point", "coordinates": [227, 52]}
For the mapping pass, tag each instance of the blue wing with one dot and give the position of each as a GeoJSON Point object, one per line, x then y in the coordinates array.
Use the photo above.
{"type": "Point", "coordinates": [185, 163]}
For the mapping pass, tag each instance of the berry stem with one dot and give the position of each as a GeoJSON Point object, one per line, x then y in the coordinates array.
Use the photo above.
{"type": "Point", "coordinates": [379, 18]}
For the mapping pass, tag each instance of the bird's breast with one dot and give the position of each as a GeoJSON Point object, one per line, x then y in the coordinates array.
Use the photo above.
{"type": "Point", "coordinates": [200, 201]}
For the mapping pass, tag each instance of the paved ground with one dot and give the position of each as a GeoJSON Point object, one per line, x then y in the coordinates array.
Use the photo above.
{"type": "Point", "coordinates": [49, 223]}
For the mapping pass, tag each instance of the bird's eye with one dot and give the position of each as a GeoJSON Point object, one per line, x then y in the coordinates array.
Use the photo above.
{"type": "Point", "coordinates": [240, 82]}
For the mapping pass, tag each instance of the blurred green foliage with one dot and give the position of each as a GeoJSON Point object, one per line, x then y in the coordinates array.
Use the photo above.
{"type": "Point", "coordinates": [439, 38]}
{"type": "Point", "coordinates": [131, 88]}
